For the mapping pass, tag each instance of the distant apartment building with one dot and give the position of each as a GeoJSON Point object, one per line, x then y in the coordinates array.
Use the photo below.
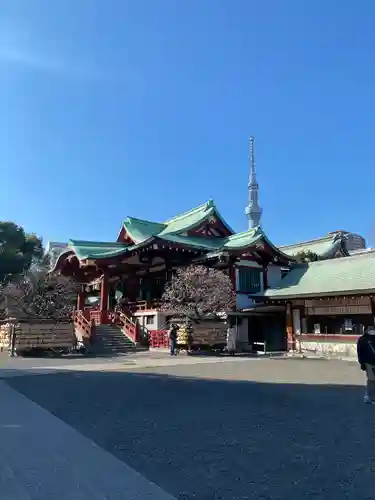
{"type": "Point", "coordinates": [353, 241]}
{"type": "Point", "coordinates": [55, 248]}
{"type": "Point", "coordinates": [334, 244]}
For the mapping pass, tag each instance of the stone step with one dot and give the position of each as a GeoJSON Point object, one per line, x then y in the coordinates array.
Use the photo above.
{"type": "Point", "coordinates": [129, 344]}
{"type": "Point", "coordinates": [115, 341]}
{"type": "Point", "coordinates": [110, 339]}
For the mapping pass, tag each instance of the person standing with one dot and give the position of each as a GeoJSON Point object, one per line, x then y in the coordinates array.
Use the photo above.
{"type": "Point", "coordinates": [366, 358]}
{"type": "Point", "coordinates": [172, 335]}
{"type": "Point", "coordinates": [231, 340]}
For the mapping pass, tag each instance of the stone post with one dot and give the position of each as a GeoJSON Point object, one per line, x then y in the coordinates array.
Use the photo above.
{"type": "Point", "coordinates": [81, 299]}
{"type": "Point", "coordinates": [291, 340]}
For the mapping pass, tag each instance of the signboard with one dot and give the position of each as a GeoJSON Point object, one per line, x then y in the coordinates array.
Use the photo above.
{"type": "Point", "coordinates": [340, 305]}
{"type": "Point", "coordinates": [336, 310]}
{"type": "Point", "coordinates": [210, 327]}
{"type": "Point", "coordinates": [207, 332]}
{"type": "Point", "coordinates": [339, 301]}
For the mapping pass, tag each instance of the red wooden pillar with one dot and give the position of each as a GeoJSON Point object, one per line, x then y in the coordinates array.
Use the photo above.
{"type": "Point", "coordinates": [104, 299]}
{"type": "Point", "coordinates": [291, 340]}
{"type": "Point", "coordinates": [81, 299]}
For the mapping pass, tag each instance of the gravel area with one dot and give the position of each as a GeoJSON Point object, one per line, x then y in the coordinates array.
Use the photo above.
{"type": "Point", "coordinates": [262, 429]}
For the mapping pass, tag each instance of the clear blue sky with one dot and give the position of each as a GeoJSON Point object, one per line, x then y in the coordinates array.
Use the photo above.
{"type": "Point", "coordinates": [144, 108]}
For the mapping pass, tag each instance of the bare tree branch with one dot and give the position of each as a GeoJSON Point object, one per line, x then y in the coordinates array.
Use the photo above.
{"type": "Point", "coordinates": [37, 293]}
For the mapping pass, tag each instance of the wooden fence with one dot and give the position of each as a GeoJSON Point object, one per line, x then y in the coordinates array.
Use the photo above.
{"type": "Point", "coordinates": [23, 335]}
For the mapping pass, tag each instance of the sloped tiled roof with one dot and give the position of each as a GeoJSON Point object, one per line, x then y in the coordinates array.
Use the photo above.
{"type": "Point", "coordinates": [96, 250]}
{"type": "Point", "coordinates": [174, 230]}
{"type": "Point", "coordinates": [103, 250]}
{"type": "Point", "coordinates": [141, 230]}
{"type": "Point", "coordinates": [328, 277]}
{"type": "Point", "coordinates": [192, 218]}
{"type": "Point", "coordinates": [198, 242]}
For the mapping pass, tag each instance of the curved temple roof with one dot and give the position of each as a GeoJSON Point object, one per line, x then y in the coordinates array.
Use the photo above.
{"type": "Point", "coordinates": [173, 231]}
{"type": "Point", "coordinates": [140, 230]}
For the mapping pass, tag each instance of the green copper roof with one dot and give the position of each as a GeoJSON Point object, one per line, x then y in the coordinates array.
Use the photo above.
{"type": "Point", "coordinates": [242, 240]}
{"type": "Point", "coordinates": [174, 230]}
{"type": "Point", "coordinates": [192, 218]}
{"type": "Point", "coordinates": [198, 242]}
{"type": "Point", "coordinates": [143, 234]}
{"type": "Point", "coordinates": [233, 242]}
{"type": "Point", "coordinates": [141, 230]}
{"type": "Point", "coordinates": [96, 250]}
{"type": "Point", "coordinates": [328, 277]}
{"type": "Point", "coordinates": [325, 247]}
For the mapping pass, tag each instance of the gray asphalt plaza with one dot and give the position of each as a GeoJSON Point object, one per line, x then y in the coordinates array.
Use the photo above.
{"type": "Point", "coordinates": [228, 429]}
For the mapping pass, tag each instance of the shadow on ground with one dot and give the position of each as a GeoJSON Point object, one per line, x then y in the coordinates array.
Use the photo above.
{"type": "Point", "coordinates": [229, 440]}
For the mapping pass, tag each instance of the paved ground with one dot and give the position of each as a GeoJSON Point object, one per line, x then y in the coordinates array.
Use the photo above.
{"type": "Point", "coordinates": [238, 429]}
{"type": "Point", "coordinates": [43, 458]}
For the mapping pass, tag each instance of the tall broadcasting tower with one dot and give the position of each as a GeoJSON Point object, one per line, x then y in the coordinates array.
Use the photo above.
{"type": "Point", "coordinates": [253, 211]}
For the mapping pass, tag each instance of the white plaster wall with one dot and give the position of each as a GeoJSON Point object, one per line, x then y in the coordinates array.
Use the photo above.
{"type": "Point", "coordinates": [243, 301]}
{"type": "Point", "coordinates": [158, 322]}
{"type": "Point", "coordinates": [273, 275]}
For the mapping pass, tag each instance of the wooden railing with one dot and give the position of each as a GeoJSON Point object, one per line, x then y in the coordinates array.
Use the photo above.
{"type": "Point", "coordinates": [141, 305]}
{"type": "Point", "coordinates": [129, 327]}
{"type": "Point", "coordinates": [83, 324]}
{"type": "Point", "coordinates": [155, 304]}
{"type": "Point", "coordinates": [96, 316]}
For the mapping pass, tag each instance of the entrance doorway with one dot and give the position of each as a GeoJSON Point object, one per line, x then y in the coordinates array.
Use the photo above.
{"type": "Point", "coordinates": [266, 332]}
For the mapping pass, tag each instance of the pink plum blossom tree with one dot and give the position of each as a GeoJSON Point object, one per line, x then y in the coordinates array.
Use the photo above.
{"type": "Point", "coordinates": [197, 291]}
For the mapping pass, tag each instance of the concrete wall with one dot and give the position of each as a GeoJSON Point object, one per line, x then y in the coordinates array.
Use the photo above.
{"type": "Point", "coordinates": [325, 346]}
{"type": "Point", "coordinates": [273, 275]}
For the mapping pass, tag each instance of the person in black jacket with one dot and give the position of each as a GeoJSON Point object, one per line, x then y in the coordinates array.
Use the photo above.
{"type": "Point", "coordinates": [366, 358]}
{"type": "Point", "coordinates": [172, 335]}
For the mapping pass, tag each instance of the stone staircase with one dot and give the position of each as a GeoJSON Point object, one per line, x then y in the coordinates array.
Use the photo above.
{"type": "Point", "coordinates": [109, 339]}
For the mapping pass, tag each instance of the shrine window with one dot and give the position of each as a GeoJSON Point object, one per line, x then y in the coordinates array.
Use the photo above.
{"type": "Point", "coordinates": [249, 280]}
{"type": "Point", "coordinates": [150, 320]}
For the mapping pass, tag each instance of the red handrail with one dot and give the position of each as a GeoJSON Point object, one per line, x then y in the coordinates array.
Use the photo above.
{"type": "Point", "coordinates": [82, 324]}
{"type": "Point", "coordinates": [129, 327]}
